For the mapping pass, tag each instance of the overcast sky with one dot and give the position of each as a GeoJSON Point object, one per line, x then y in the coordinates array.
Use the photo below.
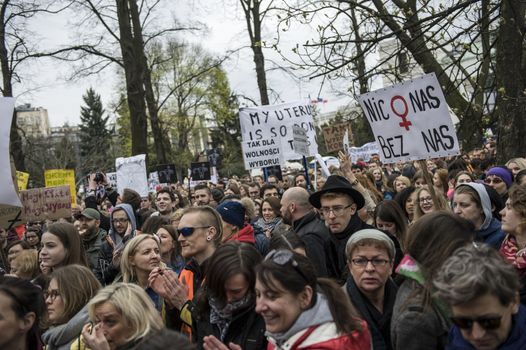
{"type": "Point", "coordinates": [45, 83]}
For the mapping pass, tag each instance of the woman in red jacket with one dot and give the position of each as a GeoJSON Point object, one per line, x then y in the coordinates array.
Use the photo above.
{"type": "Point", "coordinates": [303, 312]}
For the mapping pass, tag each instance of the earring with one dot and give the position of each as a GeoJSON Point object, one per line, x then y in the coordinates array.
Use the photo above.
{"type": "Point", "coordinates": [208, 238]}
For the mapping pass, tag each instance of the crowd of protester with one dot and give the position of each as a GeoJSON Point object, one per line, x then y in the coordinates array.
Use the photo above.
{"type": "Point", "coordinates": [416, 255]}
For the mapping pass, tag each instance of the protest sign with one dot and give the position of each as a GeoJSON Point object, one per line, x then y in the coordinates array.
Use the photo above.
{"type": "Point", "coordinates": [365, 152]}
{"type": "Point", "coordinates": [10, 216]}
{"type": "Point", "coordinates": [112, 179]}
{"type": "Point", "coordinates": [153, 181]}
{"type": "Point", "coordinates": [22, 179]}
{"type": "Point", "coordinates": [410, 120]}
{"type": "Point", "coordinates": [267, 133]}
{"type": "Point", "coordinates": [131, 173]}
{"type": "Point", "coordinates": [274, 170]}
{"type": "Point", "coordinates": [8, 195]}
{"type": "Point", "coordinates": [334, 135]}
{"type": "Point", "coordinates": [46, 203]}
{"type": "Point", "coordinates": [200, 171]}
{"type": "Point", "coordinates": [166, 173]}
{"type": "Point", "coordinates": [214, 156]}
{"type": "Point", "coordinates": [59, 177]}
{"type": "Point", "coordinates": [300, 141]}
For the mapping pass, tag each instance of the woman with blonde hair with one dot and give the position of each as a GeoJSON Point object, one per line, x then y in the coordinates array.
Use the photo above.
{"type": "Point", "coordinates": [70, 289]}
{"type": "Point", "coordinates": [401, 182]}
{"type": "Point", "coordinates": [515, 165]}
{"type": "Point", "coordinates": [25, 265]}
{"type": "Point", "coordinates": [425, 204]}
{"type": "Point", "coordinates": [122, 315]}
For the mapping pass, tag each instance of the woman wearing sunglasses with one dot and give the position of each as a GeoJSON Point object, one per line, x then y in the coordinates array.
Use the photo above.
{"type": "Point", "coordinates": [303, 312]}
{"type": "Point", "coordinates": [200, 232]}
{"type": "Point", "coordinates": [226, 303]}
{"type": "Point", "coordinates": [482, 290]}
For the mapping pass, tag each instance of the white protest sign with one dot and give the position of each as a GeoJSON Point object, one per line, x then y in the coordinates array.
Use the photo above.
{"type": "Point", "coordinates": [267, 133]}
{"type": "Point", "coordinates": [8, 195]}
{"type": "Point", "coordinates": [112, 179]}
{"type": "Point", "coordinates": [300, 141]}
{"type": "Point", "coordinates": [410, 120]}
{"type": "Point", "coordinates": [345, 141]}
{"type": "Point", "coordinates": [131, 173]}
{"type": "Point", "coordinates": [365, 152]}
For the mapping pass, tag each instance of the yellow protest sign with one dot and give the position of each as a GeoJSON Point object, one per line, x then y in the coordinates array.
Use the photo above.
{"type": "Point", "coordinates": [58, 177]}
{"type": "Point", "coordinates": [22, 180]}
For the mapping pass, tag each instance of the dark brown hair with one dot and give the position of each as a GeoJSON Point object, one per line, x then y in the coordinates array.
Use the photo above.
{"type": "Point", "coordinates": [390, 211]}
{"type": "Point", "coordinates": [274, 204]}
{"type": "Point", "coordinates": [69, 237]}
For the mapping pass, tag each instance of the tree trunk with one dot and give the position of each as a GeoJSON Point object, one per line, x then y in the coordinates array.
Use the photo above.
{"type": "Point", "coordinates": [510, 105]}
{"type": "Point", "coordinates": [15, 147]}
{"type": "Point", "coordinates": [134, 74]}
{"type": "Point", "coordinates": [158, 138]}
{"type": "Point", "coordinates": [259, 58]}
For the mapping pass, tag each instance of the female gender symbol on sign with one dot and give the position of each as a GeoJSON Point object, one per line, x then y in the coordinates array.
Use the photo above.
{"type": "Point", "coordinates": [405, 123]}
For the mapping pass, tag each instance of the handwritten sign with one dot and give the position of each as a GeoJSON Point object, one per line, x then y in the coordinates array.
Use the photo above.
{"type": "Point", "coordinates": [22, 180]}
{"type": "Point", "coordinates": [59, 177]}
{"type": "Point", "coordinates": [267, 133]}
{"type": "Point", "coordinates": [334, 135]}
{"type": "Point", "coordinates": [410, 120]}
{"type": "Point", "coordinates": [46, 203]}
{"type": "Point", "coordinates": [131, 173]}
{"type": "Point", "coordinates": [10, 216]}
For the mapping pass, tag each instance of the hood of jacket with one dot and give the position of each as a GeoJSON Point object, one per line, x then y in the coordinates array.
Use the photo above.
{"type": "Point", "coordinates": [131, 216]}
{"type": "Point", "coordinates": [246, 234]}
{"type": "Point", "coordinates": [485, 202]}
{"type": "Point", "coordinates": [60, 337]}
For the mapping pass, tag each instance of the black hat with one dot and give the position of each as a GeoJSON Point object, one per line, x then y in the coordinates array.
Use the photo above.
{"type": "Point", "coordinates": [337, 184]}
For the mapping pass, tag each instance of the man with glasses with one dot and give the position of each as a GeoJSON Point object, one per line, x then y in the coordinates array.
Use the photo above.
{"type": "Point", "coordinates": [483, 293]}
{"type": "Point", "coordinates": [339, 202]}
{"type": "Point", "coordinates": [122, 229]}
{"type": "Point", "coordinates": [370, 256]}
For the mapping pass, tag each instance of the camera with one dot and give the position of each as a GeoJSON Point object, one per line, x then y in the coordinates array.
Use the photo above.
{"type": "Point", "coordinates": [99, 177]}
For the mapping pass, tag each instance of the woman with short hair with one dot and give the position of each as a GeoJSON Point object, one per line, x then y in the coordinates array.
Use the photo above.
{"type": "Point", "coordinates": [482, 291]}
{"type": "Point", "coordinates": [70, 289]}
{"type": "Point", "coordinates": [121, 315]}
{"type": "Point", "coordinates": [302, 311]}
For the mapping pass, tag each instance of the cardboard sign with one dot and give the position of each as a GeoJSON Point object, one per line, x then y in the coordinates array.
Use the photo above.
{"type": "Point", "coordinates": [131, 173]}
{"type": "Point", "coordinates": [411, 121]}
{"type": "Point", "coordinates": [335, 134]}
{"type": "Point", "coordinates": [200, 171]}
{"type": "Point", "coordinates": [10, 216]}
{"type": "Point", "coordinates": [22, 180]}
{"type": "Point", "coordinates": [365, 152]}
{"type": "Point", "coordinates": [301, 141]}
{"type": "Point", "coordinates": [214, 156]}
{"type": "Point", "coordinates": [46, 203]}
{"type": "Point", "coordinates": [267, 133]}
{"type": "Point", "coordinates": [166, 173]}
{"type": "Point", "coordinates": [59, 177]}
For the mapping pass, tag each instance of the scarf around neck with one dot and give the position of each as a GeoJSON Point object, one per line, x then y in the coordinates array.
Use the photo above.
{"type": "Point", "coordinates": [515, 256]}
{"type": "Point", "coordinates": [316, 315]}
{"type": "Point", "coordinates": [409, 268]}
{"type": "Point", "coordinates": [222, 315]}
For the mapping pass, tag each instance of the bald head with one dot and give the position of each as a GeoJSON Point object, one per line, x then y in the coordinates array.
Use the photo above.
{"type": "Point", "coordinates": [299, 196]}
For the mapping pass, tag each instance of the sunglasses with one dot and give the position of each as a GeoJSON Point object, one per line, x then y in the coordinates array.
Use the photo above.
{"type": "Point", "coordinates": [488, 323]}
{"type": "Point", "coordinates": [283, 257]}
{"type": "Point", "coordinates": [188, 231]}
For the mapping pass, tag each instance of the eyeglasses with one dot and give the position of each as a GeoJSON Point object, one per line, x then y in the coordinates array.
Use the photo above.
{"type": "Point", "coordinates": [337, 211]}
{"type": "Point", "coordinates": [425, 199]}
{"type": "Point", "coordinates": [51, 294]}
{"type": "Point", "coordinates": [188, 231]}
{"type": "Point", "coordinates": [362, 262]}
{"type": "Point", "coordinates": [488, 323]}
{"type": "Point", "coordinates": [283, 257]}
{"type": "Point", "coordinates": [119, 221]}
{"type": "Point", "coordinates": [495, 180]}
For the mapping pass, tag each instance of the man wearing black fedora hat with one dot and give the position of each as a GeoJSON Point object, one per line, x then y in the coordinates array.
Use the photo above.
{"type": "Point", "coordinates": [338, 203]}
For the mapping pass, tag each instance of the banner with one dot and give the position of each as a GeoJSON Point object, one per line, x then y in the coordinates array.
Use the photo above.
{"type": "Point", "coordinates": [59, 177]}
{"type": "Point", "coordinates": [334, 135]}
{"type": "Point", "coordinates": [8, 195]}
{"type": "Point", "coordinates": [50, 203]}
{"type": "Point", "coordinates": [365, 152]}
{"type": "Point", "coordinates": [22, 179]}
{"type": "Point", "coordinates": [131, 173]}
{"type": "Point", "coordinates": [411, 121]}
{"type": "Point", "coordinates": [200, 171]}
{"type": "Point", "coordinates": [267, 133]}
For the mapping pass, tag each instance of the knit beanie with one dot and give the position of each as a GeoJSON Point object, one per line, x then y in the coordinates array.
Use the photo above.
{"type": "Point", "coordinates": [504, 174]}
{"type": "Point", "coordinates": [233, 213]}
